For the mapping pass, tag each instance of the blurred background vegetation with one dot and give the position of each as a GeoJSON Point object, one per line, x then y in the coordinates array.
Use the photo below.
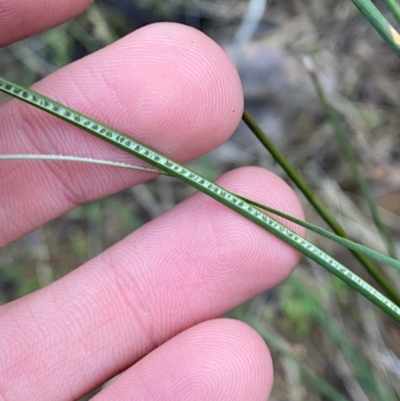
{"type": "Point", "coordinates": [328, 343]}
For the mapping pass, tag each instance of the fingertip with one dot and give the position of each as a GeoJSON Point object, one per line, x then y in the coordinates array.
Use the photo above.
{"type": "Point", "coordinates": [214, 90]}
{"type": "Point", "coordinates": [166, 85]}
{"type": "Point", "coordinates": [20, 18]}
{"type": "Point", "coordinates": [183, 93]}
{"type": "Point", "coordinates": [220, 359]}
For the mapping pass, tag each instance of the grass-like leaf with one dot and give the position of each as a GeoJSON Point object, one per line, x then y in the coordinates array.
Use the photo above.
{"type": "Point", "coordinates": [394, 7]}
{"type": "Point", "coordinates": [318, 230]}
{"type": "Point", "coordinates": [90, 160]}
{"type": "Point", "coordinates": [379, 277]}
{"type": "Point", "coordinates": [379, 22]}
{"type": "Point", "coordinates": [204, 185]}
{"type": "Point", "coordinates": [380, 257]}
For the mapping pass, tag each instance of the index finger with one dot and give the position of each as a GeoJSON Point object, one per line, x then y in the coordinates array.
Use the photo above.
{"type": "Point", "coordinates": [166, 85]}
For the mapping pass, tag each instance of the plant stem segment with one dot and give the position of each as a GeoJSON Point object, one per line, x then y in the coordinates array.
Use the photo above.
{"type": "Point", "coordinates": [394, 7]}
{"type": "Point", "coordinates": [379, 22]}
{"type": "Point", "coordinates": [211, 189]}
{"type": "Point", "coordinates": [327, 234]}
{"type": "Point", "coordinates": [318, 205]}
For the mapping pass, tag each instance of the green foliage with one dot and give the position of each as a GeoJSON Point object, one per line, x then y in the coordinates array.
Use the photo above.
{"type": "Point", "coordinates": [297, 308]}
{"type": "Point", "coordinates": [15, 282]}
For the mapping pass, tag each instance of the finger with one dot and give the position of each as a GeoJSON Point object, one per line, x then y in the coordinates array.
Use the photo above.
{"type": "Point", "coordinates": [215, 360]}
{"type": "Point", "coordinates": [192, 264]}
{"type": "Point", "coordinates": [20, 18]}
{"type": "Point", "coordinates": [166, 85]}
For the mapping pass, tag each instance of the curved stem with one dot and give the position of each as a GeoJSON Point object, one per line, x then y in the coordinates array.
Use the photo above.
{"type": "Point", "coordinates": [90, 160]}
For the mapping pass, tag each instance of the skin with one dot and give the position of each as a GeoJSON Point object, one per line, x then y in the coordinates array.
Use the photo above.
{"type": "Point", "coordinates": [149, 306]}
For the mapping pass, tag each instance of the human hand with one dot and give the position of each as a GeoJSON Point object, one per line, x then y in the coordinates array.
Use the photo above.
{"type": "Point", "coordinates": [146, 307]}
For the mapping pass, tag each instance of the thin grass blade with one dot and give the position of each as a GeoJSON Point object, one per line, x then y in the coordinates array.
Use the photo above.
{"type": "Point", "coordinates": [318, 230]}
{"type": "Point", "coordinates": [202, 184]}
{"type": "Point", "coordinates": [394, 7]}
{"type": "Point", "coordinates": [380, 257]}
{"type": "Point", "coordinates": [379, 277]}
{"type": "Point", "coordinates": [379, 22]}
{"type": "Point", "coordinates": [65, 158]}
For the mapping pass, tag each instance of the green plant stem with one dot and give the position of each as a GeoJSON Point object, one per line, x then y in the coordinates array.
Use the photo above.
{"type": "Point", "coordinates": [204, 185]}
{"type": "Point", "coordinates": [327, 234]}
{"type": "Point", "coordinates": [394, 8]}
{"type": "Point", "coordinates": [79, 160]}
{"type": "Point", "coordinates": [379, 22]}
{"type": "Point", "coordinates": [379, 277]}
{"type": "Point", "coordinates": [351, 159]}
{"type": "Point", "coordinates": [320, 231]}
{"type": "Point", "coordinates": [333, 237]}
